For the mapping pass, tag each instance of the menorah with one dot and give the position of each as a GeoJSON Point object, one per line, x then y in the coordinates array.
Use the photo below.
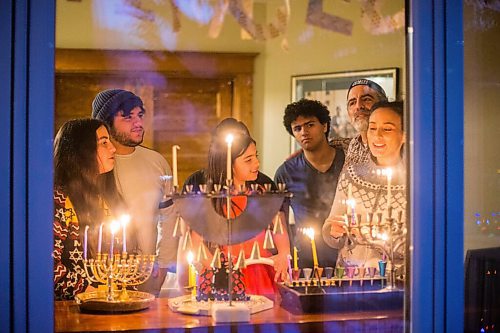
{"type": "Point", "coordinates": [121, 269]}
{"type": "Point", "coordinates": [388, 235]}
{"type": "Point", "coordinates": [351, 288]}
{"type": "Point", "coordinates": [117, 272]}
{"type": "Point", "coordinates": [196, 208]}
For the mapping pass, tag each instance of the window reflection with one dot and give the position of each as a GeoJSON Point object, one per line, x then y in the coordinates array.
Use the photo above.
{"type": "Point", "coordinates": [195, 63]}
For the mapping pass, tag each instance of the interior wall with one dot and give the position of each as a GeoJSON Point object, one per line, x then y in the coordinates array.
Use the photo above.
{"type": "Point", "coordinates": [303, 49]}
{"type": "Point", "coordinates": [482, 124]}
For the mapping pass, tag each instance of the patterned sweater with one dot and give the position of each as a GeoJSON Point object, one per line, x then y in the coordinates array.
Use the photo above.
{"type": "Point", "coordinates": [370, 193]}
{"type": "Point", "coordinates": [69, 274]}
{"type": "Point", "coordinates": [355, 150]}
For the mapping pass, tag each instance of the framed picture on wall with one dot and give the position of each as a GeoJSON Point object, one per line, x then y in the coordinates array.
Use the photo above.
{"type": "Point", "coordinates": [331, 90]}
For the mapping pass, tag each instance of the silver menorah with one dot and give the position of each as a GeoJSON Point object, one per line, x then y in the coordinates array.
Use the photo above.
{"type": "Point", "coordinates": [387, 235]}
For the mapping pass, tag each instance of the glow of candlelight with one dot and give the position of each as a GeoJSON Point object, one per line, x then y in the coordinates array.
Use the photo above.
{"type": "Point", "coordinates": [85, 238]}
{"type": "Point", "coordinates": [174, 164]}
{"type": "Point", "coordinates": [310, 233]}
{"type": "Point", "coordinates": [388, 173]}
{"type": "Point", "coordinates": [191, 273]}
{"type": "Point", "coordinates": [124, 220]}
{"type": "Point", "coordinates": [229, 141]}
{"type": "Point", "coordinates": [351, 203]}
{"type": "Point", "coordinates": [99, 239]}
{"type": "Point", "coordinates": [114, 228]}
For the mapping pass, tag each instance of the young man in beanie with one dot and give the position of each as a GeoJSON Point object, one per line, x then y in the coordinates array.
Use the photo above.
{"type": "Point", "coordinates": [138, 173]}
{"type": "Point", "coordinates": [311, 175]}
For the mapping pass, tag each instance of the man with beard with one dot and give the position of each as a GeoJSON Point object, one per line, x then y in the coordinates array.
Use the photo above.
{"type": "Point", "coordinates": [311, 175]}
{"type": "Point", "coordinates": [361, 96]}
{"type": "Point", "coordinates": [138, 174]}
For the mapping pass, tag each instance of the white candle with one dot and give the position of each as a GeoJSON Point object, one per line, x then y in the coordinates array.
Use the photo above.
{"type": "Point", "coordinates": [388, 173]}
{"type": "Point", "coordinates": [125, 218]}
{"type": "Point", "coordinates": [352, 204]}
{"type": "Point", "coordinates": [114, 228]}
{"type": "Point", "coordinates": [229, 140]}
{"type": "Point", "coordinates": [174, 164]}
{"type": "Point", "coordinates": [99, 240]}
{"type": "Point", "coordinates": [85, 237]}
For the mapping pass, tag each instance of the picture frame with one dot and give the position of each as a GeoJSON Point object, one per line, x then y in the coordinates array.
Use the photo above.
{"type": "Point", "coordinates": [331, 90]}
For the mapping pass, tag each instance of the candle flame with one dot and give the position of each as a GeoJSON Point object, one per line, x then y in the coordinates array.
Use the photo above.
{"type": "Point", "coordinates": [383, 237]}
{"type": "Point", "coordinates": [351, 203]}
{"type": "Point", "coordinates": [190, 257]}
{"type": "Point", "coordinates": [229, 138]}
{"type": "Point", "coordinates": [124, 219]}
{"type": "Point", "coordinates": [114, 226]}
{"type": "Point", "coordinates": [309, 232]}
{"type": "Point", "coordinates": [387, 172]}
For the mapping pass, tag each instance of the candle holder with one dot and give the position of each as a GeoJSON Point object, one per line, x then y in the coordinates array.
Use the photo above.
{"type": "Point", "coordinates": [117, 273]}
{"type": "Point", "coordinates": [387, 235]}
{"type": "Point", "coordinates": [221, 289]}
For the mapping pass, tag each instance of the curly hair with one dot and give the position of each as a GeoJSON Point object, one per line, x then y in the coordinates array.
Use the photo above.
{"type": "Point", "coordinates": [306, 108]}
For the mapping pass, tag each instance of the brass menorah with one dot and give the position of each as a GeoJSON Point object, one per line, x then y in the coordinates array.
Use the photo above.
{"type": "Point", "coordinates": [385, 234]}
{"type": "Point", "coordinates": [120, 269]}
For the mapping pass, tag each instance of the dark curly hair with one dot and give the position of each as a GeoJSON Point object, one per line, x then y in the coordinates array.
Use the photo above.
{"type": "Point", "coordinates": [306, 108]}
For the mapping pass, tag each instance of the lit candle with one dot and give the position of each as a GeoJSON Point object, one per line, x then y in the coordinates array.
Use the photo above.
{"type": "Point", "coordinates": [388, 173]}
{"type": "Point", "coordinates": [174, 164]}
{"type": "Point", "coordinates": [114, 227]}
{"type": "Point", "coordinates": [229, 140]}
{"type": "Point", "coordinates": [352, 204]}
{"type": "Point", "coordinates": [124, 219]}
{"type": "Point", "coordinates": [191, 273]}
{"type": "Point", "coordinates": [99, 240]}
{"type": "Point", "coordinates": [295, 259]}
{"type": "Point", "coordinates": [85, 237]}
{"type": "Point", "coordinates": [310, 233]}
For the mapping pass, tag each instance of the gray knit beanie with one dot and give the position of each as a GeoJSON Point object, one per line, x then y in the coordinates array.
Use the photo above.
{"type": "Point", "coordinates": [108, 102]}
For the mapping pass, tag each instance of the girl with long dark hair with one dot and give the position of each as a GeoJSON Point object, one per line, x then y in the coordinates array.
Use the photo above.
{"type": "Point", "coordinates": [84, 196]}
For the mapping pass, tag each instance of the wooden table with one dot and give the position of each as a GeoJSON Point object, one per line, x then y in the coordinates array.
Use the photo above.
{"type": "Point", "coordinates": [159, 318]}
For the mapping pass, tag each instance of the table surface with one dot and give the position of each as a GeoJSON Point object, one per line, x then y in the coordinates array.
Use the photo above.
{"type": "Point", "coordinates": [159, 318]}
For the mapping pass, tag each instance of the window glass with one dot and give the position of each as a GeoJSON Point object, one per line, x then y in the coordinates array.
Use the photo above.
{"type": "Point", "coordinates": [194, 63]}
{"type": "Point", "coordinates": [481, 162]}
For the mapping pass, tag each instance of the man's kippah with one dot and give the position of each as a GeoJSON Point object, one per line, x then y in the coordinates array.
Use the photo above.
{"type": "Point", "coordinates": [108, 102]}
{"type": "Point", "coordinates": [373, 85]}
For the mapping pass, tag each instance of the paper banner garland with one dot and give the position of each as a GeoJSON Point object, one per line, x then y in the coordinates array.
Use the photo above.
{"type": "Point", "coordinates": [317, 17]}
{"type": "Point", "coordinates": [375, 23]}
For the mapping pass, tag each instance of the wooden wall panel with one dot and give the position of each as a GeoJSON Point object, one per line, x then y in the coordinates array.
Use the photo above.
{"type": "Point", "coordinates": [185, 94]}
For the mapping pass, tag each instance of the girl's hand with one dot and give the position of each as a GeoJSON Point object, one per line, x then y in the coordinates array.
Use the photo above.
{"type": "Point", "coordinates": [281, 267]}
